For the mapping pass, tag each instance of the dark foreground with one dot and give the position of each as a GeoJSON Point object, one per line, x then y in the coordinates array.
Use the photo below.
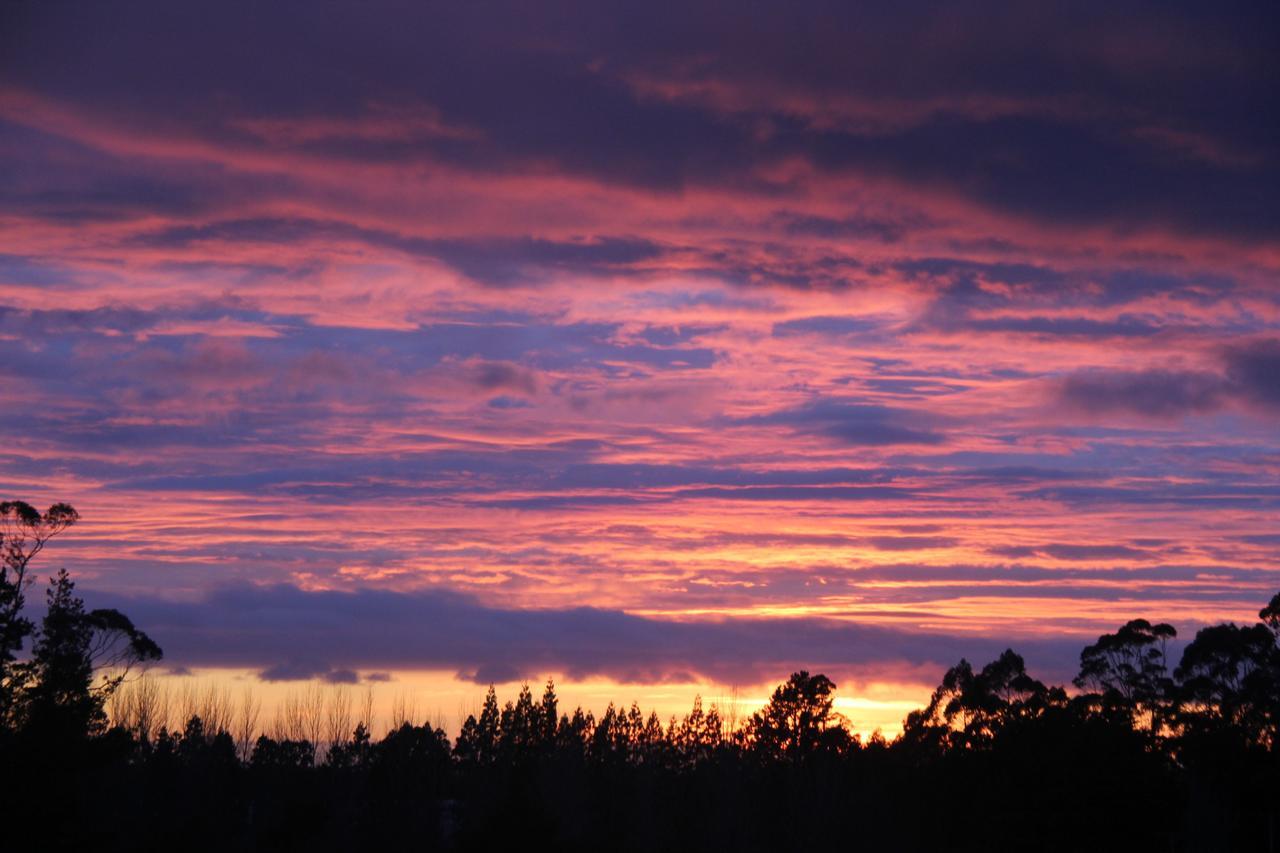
{"type": "Point", "coordinates": [1024, 774]}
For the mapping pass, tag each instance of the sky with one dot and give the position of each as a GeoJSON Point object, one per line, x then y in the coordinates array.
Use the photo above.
{"type": "Point", "coordinates": [650, 348]}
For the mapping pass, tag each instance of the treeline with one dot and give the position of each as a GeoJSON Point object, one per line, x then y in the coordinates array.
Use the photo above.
{"type": "Point", "coordinates": [1140, 753]}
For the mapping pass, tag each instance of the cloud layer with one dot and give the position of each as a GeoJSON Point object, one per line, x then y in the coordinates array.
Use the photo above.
{"type": "Point", "coordinates": [915, 327]}
{"type": "Point", "coordinates": [295, 635]}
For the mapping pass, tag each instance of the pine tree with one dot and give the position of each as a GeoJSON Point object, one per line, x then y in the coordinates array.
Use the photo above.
{"type": "Point", "coordinates": [550, 714]}
{"type": "Point", "coordinates": [488, 728]}
{"type": "Point", "coordinates": [60, 697]}
{"type": "Point", "coordinates": [24, 531]}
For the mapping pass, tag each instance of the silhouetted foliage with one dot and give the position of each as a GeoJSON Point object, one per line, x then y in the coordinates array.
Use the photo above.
{"type": "Point", "coordinates": [970, 709]}
{"type": "Point", "coordinates": [24, 531]}
{"type": "Point", "coordinates": [798, 719]}
{"type": "Point", "coordinates": [1129, 671]}
{"type": "Point", "coordinates": [1227, 679]}
{"type": "Point", "coordinates": [59, 695]}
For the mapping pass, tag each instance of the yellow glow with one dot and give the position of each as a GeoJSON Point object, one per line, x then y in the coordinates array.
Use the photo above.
{"type": "Point", "coordinates": [442, 700]}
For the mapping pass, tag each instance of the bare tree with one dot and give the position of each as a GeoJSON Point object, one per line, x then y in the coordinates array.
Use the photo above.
{"type": "Point", "coordinates": [185, 703]}
{"type": "Point", "coordinates": [313, 715]}
{"type": "Point", "coordinates": [366, 710]}
{"type": "Point", "coordinates": [162, 708]}
{"type": "Point", "coordinates": [214, 708]}
{"type": "Point", "coordinates": [246, 724]}
{"type": "Point", "coordinates": [119, 709]}
{"type": "Point", "coordinates": [140, 706]}
{"type": "Point", "coordinates": [289, 721]}
{"type": "Point", "coordinates": [730, 711]}
{"type": "Point", "coordinates": [404, 709]}
{"type": "Point", "coordinates": [150, 707]}
{"type": "Point", "coordinates": [339, 716]}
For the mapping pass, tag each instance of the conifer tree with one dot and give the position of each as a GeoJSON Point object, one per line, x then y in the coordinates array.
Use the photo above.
{"type": "Point", "coordinates": [60, 696]}
{"type": "Point", "coordinates": [24, 532]}
{"type": "Point", "coordinates": [72, 647]}
{"type": "Point", "coordinates": [487, 730]}
{"type": "Point", "coordinates": [549, 713]}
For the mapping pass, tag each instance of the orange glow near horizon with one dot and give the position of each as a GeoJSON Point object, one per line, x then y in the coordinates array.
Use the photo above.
{"type": "Point", "coordinates": [441, 700]}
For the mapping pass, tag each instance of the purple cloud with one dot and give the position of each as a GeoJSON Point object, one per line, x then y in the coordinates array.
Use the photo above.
{"type": "Point", "coordinates": [289, 634]}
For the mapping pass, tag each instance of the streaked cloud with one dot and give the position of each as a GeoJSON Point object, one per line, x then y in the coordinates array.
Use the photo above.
{"type": "Point", "coordinates": [715, 335]}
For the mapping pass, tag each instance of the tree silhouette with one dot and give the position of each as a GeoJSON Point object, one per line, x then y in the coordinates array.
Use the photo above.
{"type": "Point", "coordinates": [521, 725]}
{"type": "Point", "coordinates": [478, 740]}
{"type": "Point", "coordinates": [60, 694]}
{"type": "Point", "coordinates": [798, 720]}
{"type": "Point", "coordinates": [1226, 678]}
{"type": "Point", "coordinates": [976, 705]}
{"type": "Point", "coordinates": [271, 754]}
{"type": "Point", "coordinates": [548, 714]}
{"type": "Point", "coordinates": [71, 646]}
{"type": "Point", "coordinates": [24, 532]}
{"type": "Point", "coordinates": [1129, 671]}
{"type": "Point", "coordinates": [698, 735]}
{"type": "Point", "coordinates": [1270, 615]}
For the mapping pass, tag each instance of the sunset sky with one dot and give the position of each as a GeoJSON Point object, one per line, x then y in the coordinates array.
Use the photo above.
{"type": "Point", "coordinates": [657, 352]}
